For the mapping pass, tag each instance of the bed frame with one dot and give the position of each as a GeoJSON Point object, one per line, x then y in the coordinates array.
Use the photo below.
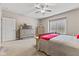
{"type": "Point", "coordinates": [57, 49]}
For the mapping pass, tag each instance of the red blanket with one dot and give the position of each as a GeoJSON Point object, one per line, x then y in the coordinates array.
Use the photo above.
{"type": "Point", "coordinates": [77, 36]}
{"type": "Point", "coordinates": [48, 36]}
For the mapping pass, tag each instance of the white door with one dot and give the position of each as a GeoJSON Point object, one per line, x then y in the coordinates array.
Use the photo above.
{"type": "Point", "coordinates": [0, 30]}
{"type": "Point", "coordinates": [8, 29]}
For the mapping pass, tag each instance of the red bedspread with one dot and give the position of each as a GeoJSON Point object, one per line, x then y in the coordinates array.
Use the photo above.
{"type": "Point", "coordinates": [77, 36]}
{"type": "Point", "coordinates": [48, 36]}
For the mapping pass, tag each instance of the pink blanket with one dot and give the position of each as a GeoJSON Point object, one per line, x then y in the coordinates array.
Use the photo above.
{"type": "Point", "coordinates": [48, 36]}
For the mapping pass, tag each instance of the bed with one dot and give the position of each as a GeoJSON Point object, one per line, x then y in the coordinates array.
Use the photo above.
{"type": "Point", "coordinates": [61, 45]}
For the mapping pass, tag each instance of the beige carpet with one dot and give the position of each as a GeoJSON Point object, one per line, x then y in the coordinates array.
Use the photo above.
{"type": "Point", "coordinates": [23, 47]}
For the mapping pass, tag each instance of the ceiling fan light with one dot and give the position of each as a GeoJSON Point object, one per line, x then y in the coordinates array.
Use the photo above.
{"type": "Point", "coordinates": [42, 11]}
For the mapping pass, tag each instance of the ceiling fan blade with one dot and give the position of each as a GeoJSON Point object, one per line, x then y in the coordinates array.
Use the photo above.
{"type": "Point", "coordinates": [37, 12]}
{"type": "Point", "coordinates": [49, 10]}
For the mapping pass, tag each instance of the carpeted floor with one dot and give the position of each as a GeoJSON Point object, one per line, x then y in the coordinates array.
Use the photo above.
{"type": "Point", "coordinates": [25, 47]}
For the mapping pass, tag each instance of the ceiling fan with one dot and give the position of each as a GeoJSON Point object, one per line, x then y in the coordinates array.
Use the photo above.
{"type": "Point", "coordinates": [42, 8]}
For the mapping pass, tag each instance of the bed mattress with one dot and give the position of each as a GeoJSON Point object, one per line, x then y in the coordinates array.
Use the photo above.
{"type": "Point", "coordinates": [63, 45]}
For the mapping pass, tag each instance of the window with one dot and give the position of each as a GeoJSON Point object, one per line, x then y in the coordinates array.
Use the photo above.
{"type": "Point", "coordinates": [58, 25]}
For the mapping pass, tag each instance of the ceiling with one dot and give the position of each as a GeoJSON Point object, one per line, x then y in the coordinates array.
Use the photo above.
{"type": "Point", "coordinates": [28, 9]}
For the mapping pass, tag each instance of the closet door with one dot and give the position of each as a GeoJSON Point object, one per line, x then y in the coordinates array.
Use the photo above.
{"type": "Point", "coordinates": [0, 30]}
{"type": "Point", "coordinates": [8, 29]}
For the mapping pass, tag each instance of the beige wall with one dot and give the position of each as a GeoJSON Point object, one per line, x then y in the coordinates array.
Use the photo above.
{"type": "Point", "coordinates": [20, 19]}
{"type": "Point", "coordinates": [72, 18]}
{"type": "Point", "coordinates": [27, 20]}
